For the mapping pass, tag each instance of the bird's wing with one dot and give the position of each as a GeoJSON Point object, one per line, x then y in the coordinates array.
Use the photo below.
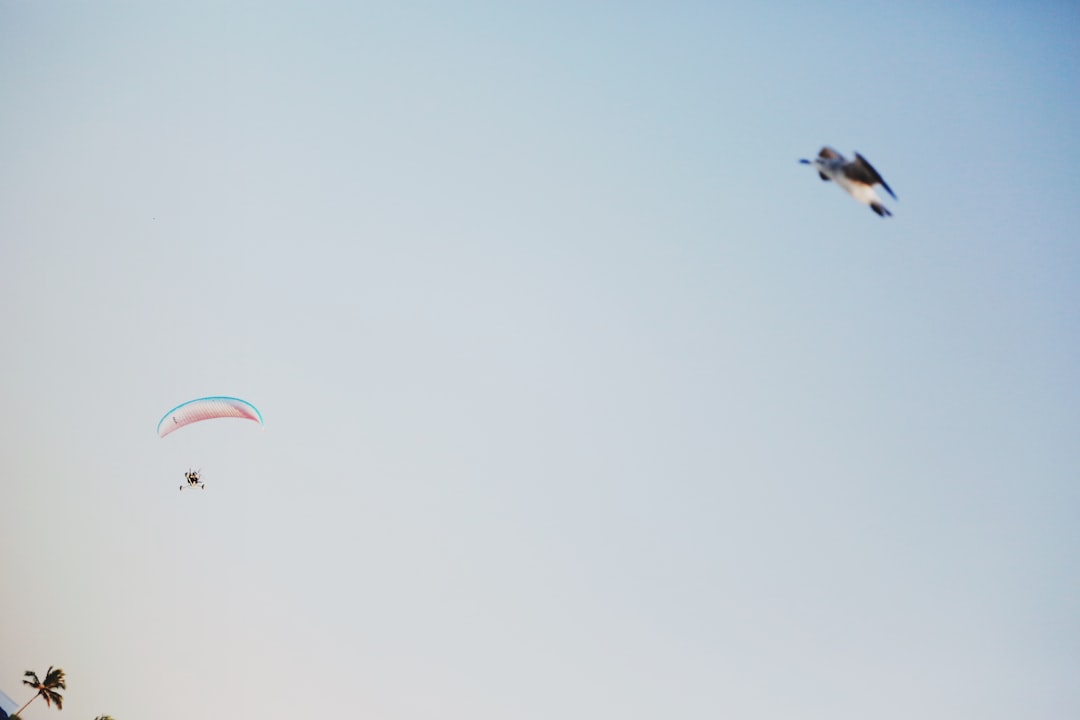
{"type": "Point", "coordinates": [861, 171]}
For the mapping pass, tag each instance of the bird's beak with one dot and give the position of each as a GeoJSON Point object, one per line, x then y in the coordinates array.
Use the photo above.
{"type": "Point", "coordinates": [805, 162]}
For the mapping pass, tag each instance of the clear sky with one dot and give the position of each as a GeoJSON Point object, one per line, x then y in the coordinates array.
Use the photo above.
{"type": "Point", "coordinates": [583, 398]}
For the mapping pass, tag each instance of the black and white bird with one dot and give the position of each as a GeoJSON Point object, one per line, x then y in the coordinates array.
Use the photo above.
{"type": "Point", "coordinates": [857, 177]}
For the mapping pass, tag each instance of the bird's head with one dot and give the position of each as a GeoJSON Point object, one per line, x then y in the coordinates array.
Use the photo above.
{"type": "Point", "coordinates": [826, 158]}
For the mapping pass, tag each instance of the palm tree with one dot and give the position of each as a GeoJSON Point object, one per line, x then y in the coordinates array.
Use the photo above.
{"type": "Point", "coordinates": [54, 678]}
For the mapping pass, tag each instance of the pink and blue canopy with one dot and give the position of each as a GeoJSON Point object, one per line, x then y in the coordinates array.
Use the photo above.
{"type": "Point", "coordinates": [207, 408]}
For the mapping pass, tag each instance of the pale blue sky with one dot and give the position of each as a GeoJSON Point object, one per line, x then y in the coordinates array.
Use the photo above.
{"type": "Point", "coordinates": [583, 399]}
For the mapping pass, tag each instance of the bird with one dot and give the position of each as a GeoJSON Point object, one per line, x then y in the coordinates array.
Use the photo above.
{"type": "Point", "coordinates": [857, 177]}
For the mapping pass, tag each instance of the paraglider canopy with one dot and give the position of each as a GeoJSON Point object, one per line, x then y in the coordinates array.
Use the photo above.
{"type": "Point", "coordinates": [207, 408]}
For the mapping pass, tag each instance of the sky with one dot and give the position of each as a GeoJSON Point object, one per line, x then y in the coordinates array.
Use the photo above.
{"type": "Point", "coordinates": [582, 397]}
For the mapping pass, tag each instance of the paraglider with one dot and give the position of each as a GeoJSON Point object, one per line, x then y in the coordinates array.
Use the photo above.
{"type": "Point", "coordinates": [193, 480]}
{"type": "Point", "coordinates": [207, 408]}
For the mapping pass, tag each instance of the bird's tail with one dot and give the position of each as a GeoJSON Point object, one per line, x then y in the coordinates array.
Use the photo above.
{"type": "Point", "coordinates": [880, 209]}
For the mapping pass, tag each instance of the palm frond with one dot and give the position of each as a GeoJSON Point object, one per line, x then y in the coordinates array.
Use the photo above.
{"type": "Point", "coordinates": [51, 696]}
{"type": "Point", "coordinates": [55, 678]}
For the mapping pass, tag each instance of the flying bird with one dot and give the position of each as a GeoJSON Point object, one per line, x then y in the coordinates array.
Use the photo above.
{"type": "Point", "coordinates": [857, 177]}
